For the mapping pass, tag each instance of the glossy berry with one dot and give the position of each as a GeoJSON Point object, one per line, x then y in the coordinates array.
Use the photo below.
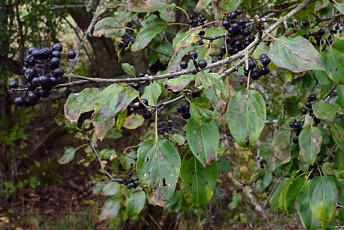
{"type": "Point", "coordinates": [32, 48]}
{"type": "Point", "coordinates": [297, 124]}
{"type": "Point", "coordinates": [71, 54]}
{"type": "Point", "coordinates": [19, 101]}
{"type": "Point", "coordinates": [43, 81]}
{"type": "Point", "coordinates": [233, 15]}
{"type": "Point", "coordinates": [223, 49]}
{"type": "Point", "coordinates": [52, 81]}
{"type": "Point", "coordinates": [29, 59]}
{"type": "Point", "coordinates": [147, 114]}
{"type": "Point", "coordinates": [35, 81]}
{"type": "Point", "coordinates": [56, 54]}
{"type": "Point", "coordinates": [304, 111]}
{"type": "Point", "coordinates": [186, 115]}
{"type": "Point", "coordinates": [321, 32]}
{"type": "Point", "coordinates": [193, 55]}
{"type": "Point", "coordinates": [32, 97]}
{"type": "Point", "coordinates": [252, 64]}
{"type": "Point", "coordinates": [265, 70]}
{"type": "Point", "coordinates": [308, 104]}
{"type": "Point", "coordinates": [141, 74]}
{"type": "Point", "coordinates": [183, 64]}
{"type": "Point", "coordinates": [235, 26]}
{"type": "Point", "coordinates": [43, 93]}
{"type": "Point", "coordinates": [120, 44]}
{"type": "Point", "coordinates": [246, 32]}
{"type": "Point", "coordinates": [239, 11]}
{"type": "Point", "coordinates": [262, 56]}
{"type": "Point", "coordinates": [291, 124]}
{"type": "Point", "coordinates": [310, 110]}
{"type": "Point", "coordinates": [57, 47]}
{"type": "Point", "coordinates": [265, 61]}
{"type": "Point", "coordinates": [251, 38]}
{"type": "Point", "coordinates": [305, 23]}
{"type": "Point", "coordinates": [13, 85]}
{"type": "Point", "coordinates": [58, 72]}
{"type": "Point", "coordinates": [202, 64]}
{"type": "Point", "coordinates": [196, 93]}
{"type": "Point", "coordinates": [295, 140]}
{"type": "Point", "coordinates": [144, 101]}
{"type": "Point", "coordinates": [312, 97]}
{"type": "Point", "coordinates": [226, 24]}
{"type": "Point", "coordinates": [54, 62]}
{"type": "Point", "coordinates": [181, 108]}
{"type": "Point", "coordinates": [255, 74]}
{"type": "Point", "coordinates": [136, 85]}
{"type": "Point", "coordinates": [30, 87]}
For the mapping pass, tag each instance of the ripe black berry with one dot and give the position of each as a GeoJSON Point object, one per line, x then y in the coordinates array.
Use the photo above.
{"type": "Point", "coordinates": [305, 23]}
{"type": "Point", "coordinates": [233, 15]}
{"type": "Point", "coordinates": [297, 124]}
{"type": "Point", "coordinates": [32, 97]}
{"type": "Point", "coordinates": [251, 38]}
{"type": "Point", "coordinates": [226, 24]}
{"type": "Point", "coordinates": [262, 56]}
{"type": "Point", "coordinates": [141, 74]}
{"type": "Point", "coordinates": [223, 49]}
{"type": "Point", "coordinates": [291, 124]}
{"type": "Point", "coordinates": [13, 85]}
{"type": "Point", "coordinates": [56, 54]}
{"type": "Point", "coordinates": [18, 101]}
{"type": "Point", "coordinates": [317, 37]}
{"type": "Point", "coordinates": [183, 64]}
{"type": "Point", "coordinates": [43, 81]}
{"type": "Point", "coordinates": [252, 64]}
{"type": "Point", "coordinates": [30, 87]}
{"type": "Point", "coordinates": [295, 140]}
{"type": "Point", "coordinates": [181, 108]}
{"type": "Point", "coordinates": [265, 61]}
{"type": "Point", "coordinates": [235, 26]}
{"type": "Point", "coordinates": [246, 32]}
{"type": "Point", "coordinates": [308, 104]}
{"type": "Point", "coordinates": [147, 114]}
{"type": "Point", "coordinates": [255, 74]}
{"type": "Point", "coordinates": [304, 111]}
{"type": "Point", "coordinates": [120, 44]}
{"type": "Point", "coordinates": [239, 11]}
{"type": "Point", "coordinates": [58, 72]}
{"type": "Point", "coordinates": [202, 64]}
{"type": "Point", "coordinates": [29, 60]}
{"type": "Point", "coordinates": [29, 50]}
{"type": "Point", "coordinates": [35, 81]}
{"type": "Point", "coordinates": [196, 93]}
{"type": "Point", "coordinates": [321, 32]}
{"type": "Point", "coordinates": [52, 81]}
{"type": "Point", "coordinates": [144, 101]}
{"type": "Point", "coordinates": [193, 55]}
{"type": "Point", "coordinates": [136, 85]}
{"type": "Point", "coordinates": [54, 62]}
{"type": "Point", "coordinates": [71, 54]}
{"type": "Point", "coordinates": [265, 70]}
{"type": "Point", "coordinates": [57, 47]}
{"type": "Point", "coordinates": [312, 97]}
{"type": "Point", "coordinates": [186, 115]}
{"type": "Point", "coordinates": [43, 93]}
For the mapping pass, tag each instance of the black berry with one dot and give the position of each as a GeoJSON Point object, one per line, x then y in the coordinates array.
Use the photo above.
{"type": "Point", "coordinates": [181, 108]}
{"type": "Point", "coordinates": [304, 111]}
{"type": "Point", "coordinates": [305, 23]}
{"type": "Point", "coordinates": [202, 64]}
{"type": "Point", "coordinates": [265, 70]}
{"type": "Point", "coordinates": [147, 114]}
{"type": "Point", "coordinates": [13, 85]}
{"type": "Point", "coordinates": [57, 47]}
{"type": "Point", "coordinates": [265, 61]}
{"type": "Point", "coordinates": [295, 140]}
{"type": "Point", "coordinates": [193, 55]}
{"type": "Point", "coordinates": [144, 102]}
{"type": "Point", "coordinates": [183, 64]}
{"type": "Point", "coordinates": [308, 104]}
{"type": "Point", "coordinates": [186, 115]}
{"type": "Point", "coordinates": [71, 54]}
{"type": "Point", "coordinates": [19, 101]}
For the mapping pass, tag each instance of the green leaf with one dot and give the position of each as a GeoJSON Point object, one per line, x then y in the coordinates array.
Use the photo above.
{"type": "Point", "coordinates": [198, 182]}
{"type": "Point", "coordinates": [67, 155]}
{"type": "Point", "coordinates": [177, 138]}
{"type": "Point", "coordinates": [136, 202]}
{"type": "Point", "coordinates": [202, 4]}
{"type": "Point", "coordinates": [152, 93]}
{"type": "Point", "coordinates": [151, 27]}
{"type": "Point", "coordinates": [185, 40]}
{"type": "Point", "coordinates": [236, 200]}
{"type": "Point", "coordinates": [213, 80]}
{"type": "Point", "coordinates": [337, 132]}
{"type": "Point", "coordinates": [214, 31]}
{"type": "Point", "coordinates": [133, 121]}
{"type": "Point", "coordinates": [280, 145]}
{"type": "Point", "coordinates": [340, 7]}
{"type": "Point", "coordinates": [305, 213]}
{"type": "Point", "coordinates": [127, 160]}
{"type": "Point", "coordinates": [338, 45]}
{"type": "Point", "coordinates": [175, 204]}
{"type": "Point", "coordinates": [148, 5]}
{"type": "Point", "coordinates": [275, 197]}
{"type": "Point", "coordinates": [295, 54]}
{"type": "Point", "coordinates": [111, 189]}
{"type": "Point", "coordinates": [110, 209]}
{"type": "Point", "coordinates": [199, 109]}
{"type": "Point", "coordinates": [108, 154]}
{"type": "Point", "coordinates": [334, 64]}
{"type": "Point", "coordinates": [177, 84]}
{"type": "Point", "coordinates": [340, 92]}
{"type": "Point", "coordinates": [112, 100]}
{"type": "Point", "coordinates": [322, 198]}
{"type": "Point", "coordinates": [158, 167]}
{"type": "Point", "coordinates": [310, 140]}
{"type": "Point", "coordinates": [203, 140]}
{"type": "Point", "coordinates": [129, 69]}
{"type": "Point", "coordinates": [325, 110]}
{"type": "Point", "coordinates": [290, 193]}
{"type": "Point", "coordinates": [266, 181]}
{"type": "Point", "coordinates": [166, 48]}
{"type": "Point", "coordinates": [109, 27]}
{"type": "Point", "coordinates": [230, 5]}
{"type": "Point", "coordinates": [246, 115]}
{"type": "Point", "coordinates": [78, 103]}
{"type": "Point", "coordinates": [99, 187]}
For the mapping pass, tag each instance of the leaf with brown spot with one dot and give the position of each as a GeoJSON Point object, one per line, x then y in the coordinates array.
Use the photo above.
{"type": "Point", "coordinates": [78, 103]}
{"type": "Point", "coordinates": [101, 127]}
{"type": "Point", "coordinates": [280, 145]}
{"type": "Point", "coordinates": [178, 84]}
{"type": "Point", "coordinates": [203, 140]}
{"type": "Point", "coordinates": [109, 27]}
{"type": "Point", "coordinates": [295, 54]}
{"type": "Point", "coordinates": [148, 5]}
{"type": "Point", "coordinates": [310, 140]}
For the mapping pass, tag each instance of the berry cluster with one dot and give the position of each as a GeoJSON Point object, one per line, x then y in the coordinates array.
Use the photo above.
{"type": "Point", "coordinates": [125, 42]}
{"type": "Point", "coordinates": [238, 36]}
{"type": "Point", "coordinates": [184, 109]}
{"type": "Point", "coordinates": [131, 183]}
{"type": "Point", "coordinates": [314, 169]}
{"type": "Point", "coordinates": [136, 85]}
{"type": "Point", "coordinates": [256, 72]}
{"type": "Point", "coordinates": [193, 55]}
{"type": "Point", "coordinates": [164, 126]}
{"type": "Point", "coordinates": [312, 97]}
{"type": "Point", "coordinates": [193, 22]}
{"type": "Point", "coordinates": [42, 72]}
{"type": "Point", "coordinates": [262, 163]}
{"type": "Point", "coordinates": [144, 110]}
{"type": "Point", "coordinates": [297, 128]}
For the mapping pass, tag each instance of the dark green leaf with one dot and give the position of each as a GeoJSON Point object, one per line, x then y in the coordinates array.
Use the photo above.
{"type": "Point", "coordinates": [340, 92]}
{"type": "Point", "coordinates": [214, 31]}
{"type": "Point", "coordinates": [110, 209]}
{"type": "Point", "coordinates": [136, 202]}
{"type": "Point", "coordinates": [203, 140]}
{"type": "Point", "coordinates": [108, 154]}
{"type": "Point", "coordinates": [186, 39]}
{"type": "Point", "coordinates": [129, 69]}
{"type": "Point", "coordinates": [78, 103]}
{"type": "Point", "coordinates": [290, 193]}
{"type": "Point", "coordinates": [158, 167]}
{"type": "Point", "coordinates": [67, 155]}
{"type": "Point", "coordinates": [275, 197]}
{"type": "Point", "coordinates": [338, 45]}
{"type": "Point", "coordinates": [199, 109]}
{"type": "Point", "coordinates": [295, 54]}
{"type": "Point", "coordinates": [310, 140]}
{"type": "Point", "coordinates": [334, 64]}
{"type": "Point", "coordinates": [337, 132]}
{"type": "Point", "coordinates": [112, 100]}
{"type": "Point", "coordinates": [324, 110]}
{"type": "Point", "coordinates": [197, 181]}
{"type": "Point", "coordinates": [322, 197]}
{"type": "Point", "coordinates": [151, 27]}
{"type": "Point", "coordinates": [246, 115]}
{"type": "Point", "coordinates": [133, 121]}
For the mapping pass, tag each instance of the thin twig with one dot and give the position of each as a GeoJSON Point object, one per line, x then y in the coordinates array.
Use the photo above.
{"type": "Point", "coordinates": [54, 7]}
{"type": "Point", "coordinates": [330, 152]}
{"type": "Point", "coordinates": [328, 94]}
{"type": "Point", "coordinates": [100, 163]}
{"type": "Point", "coordinates": [159, 52]}
{"type": "Point", "coordinates": [272, 192]}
